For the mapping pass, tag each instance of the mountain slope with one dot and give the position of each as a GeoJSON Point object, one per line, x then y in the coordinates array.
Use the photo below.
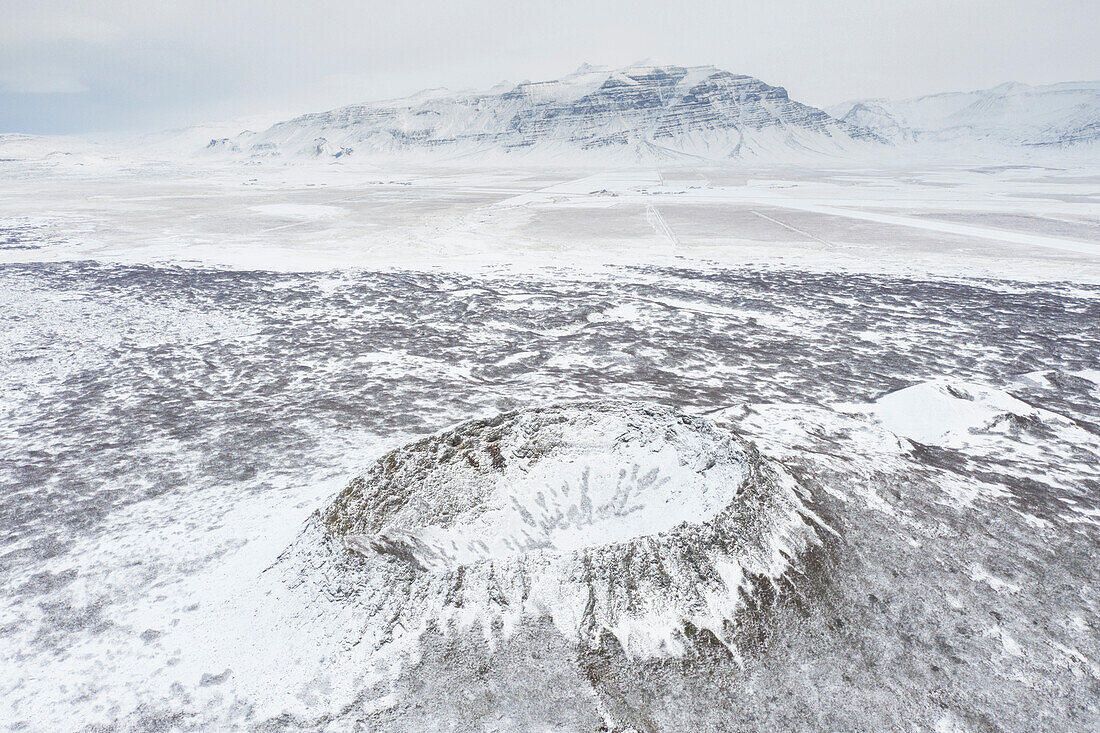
{"type": "Point", "coordinates": [1014, 114]}
{"type": "Point", "coordinates": [642, 110]}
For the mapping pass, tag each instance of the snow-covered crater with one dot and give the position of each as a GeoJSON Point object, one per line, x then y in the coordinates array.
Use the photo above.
{"type": "Point", "coordinates": [542, 482]}
{"type": "Point", "coordinates": [608, 516]}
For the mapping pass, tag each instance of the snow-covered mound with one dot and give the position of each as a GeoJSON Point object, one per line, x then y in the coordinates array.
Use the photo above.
{"type": "Point", "coordinates": [643, 111]}
{"type": "Point", "coordinates": [602, 517]}
{"type": "Point", "coordinates": [1014, 114]}
{"type": "Point", "coordinates": [970, 416]}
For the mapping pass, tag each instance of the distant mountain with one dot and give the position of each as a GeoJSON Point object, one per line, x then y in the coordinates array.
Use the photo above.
{"type": "Point", "coordinates": [1013, 114]}
{"type": "Point", "coordinates": [640, 111]}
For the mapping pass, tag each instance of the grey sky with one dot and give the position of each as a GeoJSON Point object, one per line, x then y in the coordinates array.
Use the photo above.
{"type": "Point", "coordinates": [128, 64]}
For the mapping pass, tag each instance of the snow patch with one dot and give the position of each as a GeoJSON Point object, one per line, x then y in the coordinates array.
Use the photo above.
{"type": "Point", "coordinates": [946, 413]}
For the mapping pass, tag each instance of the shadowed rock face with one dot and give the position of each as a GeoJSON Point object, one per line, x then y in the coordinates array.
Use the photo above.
{"type": "Point", "coordinates": [675, 108]}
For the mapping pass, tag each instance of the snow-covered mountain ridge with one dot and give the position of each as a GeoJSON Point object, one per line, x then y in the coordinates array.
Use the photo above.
{"type": "Point", "coordinates": [642, 110]}
{"type": "Point", "coordinates": [1012, 113]}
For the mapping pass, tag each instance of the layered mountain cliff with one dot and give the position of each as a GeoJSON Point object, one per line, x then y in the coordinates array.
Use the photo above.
{"type": "Point", "coordinates": [1011, 114]}
{"type": "Point", "coordinates": [646, 112]}
{"type": "Point", "coordinates": [643, 110]}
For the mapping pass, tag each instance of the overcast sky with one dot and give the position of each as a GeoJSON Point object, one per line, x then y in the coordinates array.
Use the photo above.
{"type": "Point", "coordinates": [101, 65]}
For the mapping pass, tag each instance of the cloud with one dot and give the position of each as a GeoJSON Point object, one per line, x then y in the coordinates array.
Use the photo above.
{"type": "Point", "coordinates": [35, 25]}
{"type": "Point", "coordinates": [40, 81]}
{"type": "Point", "coordinates": [171, 64]}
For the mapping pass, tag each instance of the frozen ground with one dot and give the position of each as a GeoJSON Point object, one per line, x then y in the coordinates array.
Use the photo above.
{"type": "Point", "coordinates": [1028, 221]}
{"type": "Point", "coordinates": [193, 361]}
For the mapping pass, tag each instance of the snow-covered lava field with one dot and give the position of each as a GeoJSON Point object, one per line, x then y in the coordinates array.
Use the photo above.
{"type": "Point", "coordinates": [356, 447]}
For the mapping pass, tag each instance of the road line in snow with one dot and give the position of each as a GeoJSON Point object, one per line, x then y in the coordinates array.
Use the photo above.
{"type": "Point", "coordinates": [660, 225]}
{"type": "Point", "coordinates": [965, 230]}
{"type": "Point", "coordinates": [793, 229]}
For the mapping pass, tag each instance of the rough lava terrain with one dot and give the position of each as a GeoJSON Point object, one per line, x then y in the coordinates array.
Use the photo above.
{"type": "Point", "coordinates": [168, 432]}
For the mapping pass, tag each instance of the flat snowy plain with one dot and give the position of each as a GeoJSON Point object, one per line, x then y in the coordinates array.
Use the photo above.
{"type": "Point", "coordinates": [196, 357]}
